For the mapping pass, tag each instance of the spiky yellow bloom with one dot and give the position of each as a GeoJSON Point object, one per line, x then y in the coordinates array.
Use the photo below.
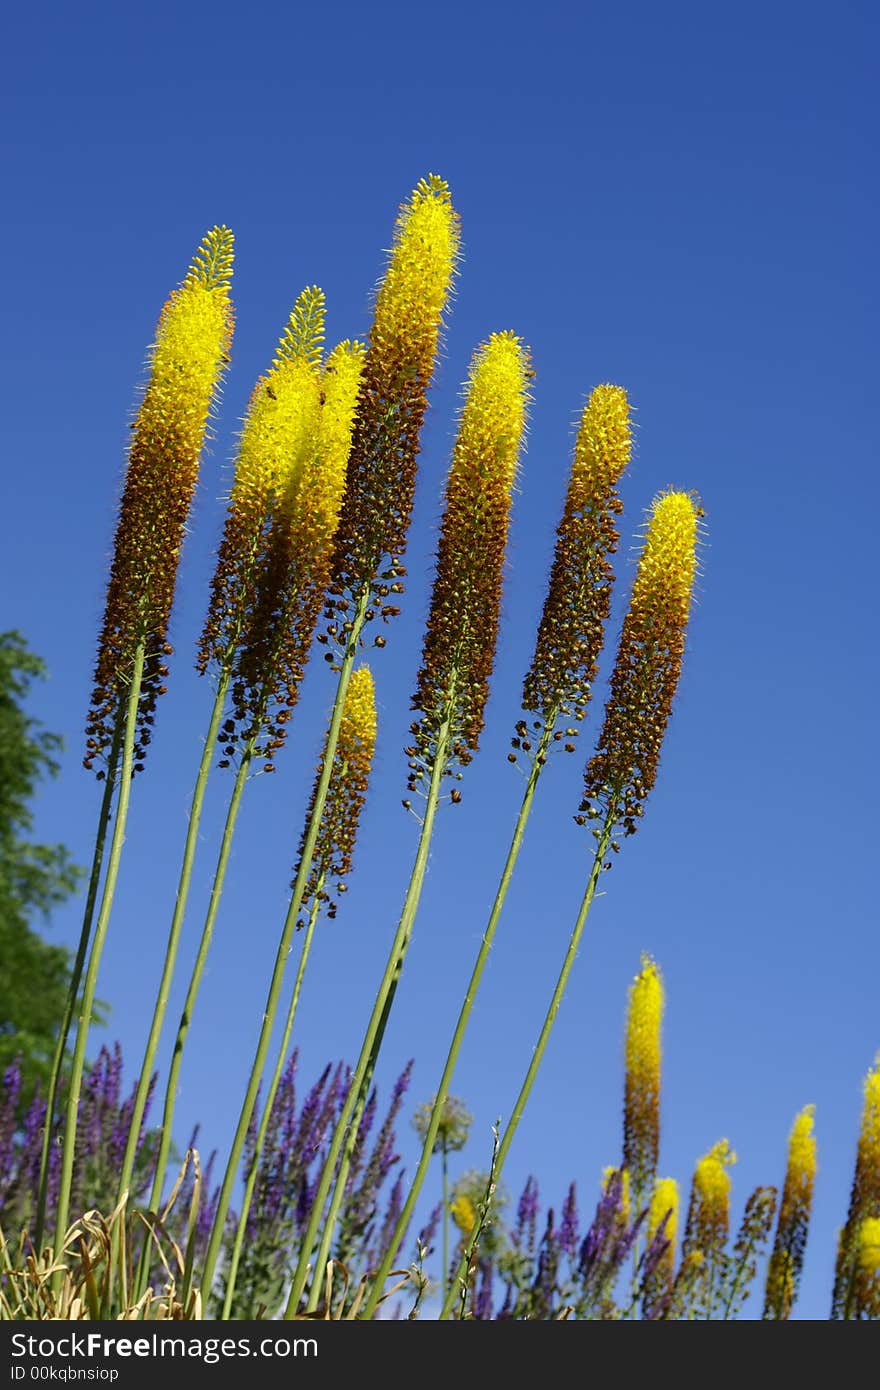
{"type": "Point", "coordinates": [611, 1176]}
{"type": "Point", "coordinates": [869, 1245]}
{"type": "Point", "coordinates": [646, 673]}
{"type": "Point", "coordinates": [663, 1211]}
{"type": "Point", "coordinates": [461, 1209]}
{"type": "Point", "coordinates": [641, 1107]}
{"type": "Point", "coordinates": [662, 1234]}
{"type": "Point", "coordinates": [192, 344]}
{"type": "Point", "coordinates": [277, 440]}
{"type": "Point", "coordinates": [295, 568]}
{"type": "Point", "coordinates": [708, 1218]}
{"type": "Point", "coordinates": [344, 802]}
{"type": "Point", "coordinates": [459, 648]}
{"type": "Point", "coordinates": [787, 1257]}
{"type": "Point", "coordinates": [866, 1281]}
{"type": "Point", "coordinates": [572, 627]}
{"type": "Point", "coordinates": [408, 313]}
{"type": "Point", "coordinates": [864, 1202]}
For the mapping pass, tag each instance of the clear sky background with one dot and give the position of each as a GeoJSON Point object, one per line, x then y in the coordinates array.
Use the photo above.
{"type": "Point", "coordinates": [668, 197]}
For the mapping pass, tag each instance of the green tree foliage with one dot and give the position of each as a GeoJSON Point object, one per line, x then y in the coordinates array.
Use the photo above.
{"type": "Point", "coordinates": [34, 878]}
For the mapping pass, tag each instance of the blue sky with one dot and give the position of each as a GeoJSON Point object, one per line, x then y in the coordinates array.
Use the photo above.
{"type": "Point", "coordinates": [671, 198]}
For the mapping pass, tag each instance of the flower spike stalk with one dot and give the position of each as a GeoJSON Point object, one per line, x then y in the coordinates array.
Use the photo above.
{"type": "Point", "coordinates": [643, 686]}
{"type": "Point", "coordinates": [864, 1203]}
{"type": "Point", "coordinates": [457, 660]}
{"type": "Point", "coordinates": [109, 779]}
{"type": "Point", "coordinates": [331, 862]}
{"type": "Point", "coordinates": [787, 1257]}
{"type": "Point", "coordinates": [191, 349]}
{"type": "Point", "coordinates": [641, 1105]}
{"type": "Point", "coordinates": [662, 1225]}
{"type": "Point", "coordinates": [558, 684]}
{"type": "Point", "coordinates": [288, 485]}
{"type": "Point", "coordinates": [372, 525]}
{"type": "Point", "coordinates": [708, 1225]}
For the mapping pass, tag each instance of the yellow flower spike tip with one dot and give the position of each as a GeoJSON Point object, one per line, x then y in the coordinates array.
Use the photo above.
{"type": "Point", "coordinates": [864, 1202]}
{"type": "Point", "coordinates": [708, 1219]}
{"type": "Point", "coordinates": [462, 1212]}
{"type": "Point", "coordinates": [648, 665]}
{"type": "Point", "coordinates": [787, 1257]}
{"type": "Point", "coordinates": [297, 571]}
{"type": "Point", "coordinates": [277, 437]}
{"type": "Point", "coordinates": [641, 1109]}
{"type": "Point", "coordinates": [462, 628]}
{"type": "Point", "coordinates": [403, 345]}
{"type": "Point", "coordinates": [612, 1177]}
{"type": "Point", "coordinates": [662, 1234]}
{"type": "Point", "coordinates": [663, 1212]}
{"type": "Point", "coordinates": [572, 627]}
{"type": "Point", "coordinates": [344, 802]}
{"type": "Point", "coordinates": [191, 349]}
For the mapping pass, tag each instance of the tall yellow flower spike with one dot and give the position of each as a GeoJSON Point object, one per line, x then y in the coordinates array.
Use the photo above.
{"type": "Point", "coordinates": [462, 628]}
{"type": "Point", "coordinates": [572, 627]}
{"type": "Point", "coordinates": [708, 1219]}
{"type": "Point", "coordinates": [864, 1202]}
{"type": "Point", "coordinates": [787, 1257]}
{"type": "Point", "coordinates": [663, 1211]}
{"type": "Point", "coordinates": [662, 1226]}
{"type": "Point", "coordinates": [294, 575]}
{"type": "Point", "coordinates": [277, 439]}
{"type": "Point", "coordinates": [641, 1110]}
{"type": "Point", "coordinates": [624, 769]}
{"type": "Point", "coordinates": [192, 344]}
{"type": "Point", "coordinates": [344, 802]}
{"type": "Point", "coordinates": [380, 484]}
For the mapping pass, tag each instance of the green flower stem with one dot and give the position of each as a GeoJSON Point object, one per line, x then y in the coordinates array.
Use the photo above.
{"type": "Point", "coordinates": [235, 1257]}
{"type": "Point", "coordinates": [161, 1005]}
{"type": "Point", "coordinates": [189, 1002]}
{"type": "Point", "coordinates": [543, 1037]}
{"type": "Point", "coordinates": [250, 1099]}
{"type": "Point", "coordinates": [460, 1028]}
{"type": "Point", "coordinates": [346, 1131]}
{"type": "Point", "coordinates": [87, 1002]}
{"type": "Point", "coordinates": [76, 975]}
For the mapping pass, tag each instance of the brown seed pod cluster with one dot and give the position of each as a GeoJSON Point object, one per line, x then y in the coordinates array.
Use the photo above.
{"type": "Point", "coordinates": [377, 505]}
{"type": "Point", "coordinates": [346, 792]}
{"type": "Point", "coordinates": [645, 677]}
{"type": "Point", "coordinates": [571, 632]}
{"type": "Point", "coordinates": [462, 629]}
{"type": "Point", "coordinates": [192, 344]}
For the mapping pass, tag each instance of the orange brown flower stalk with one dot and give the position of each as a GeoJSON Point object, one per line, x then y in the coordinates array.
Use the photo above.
{"type": "Point", "coordinates": [344, 802]}
{"type": "Point", "coordinates": [643, 685]}
{"type": "Point", "coordinates": [279, 432]}
{"type": "Point", "coordinates": [380, 483]}
{"type": "Point", "coordinates": [641, 1106]}
{"type": "Point", "coordinates": [274, 565]}
{"type": "Point", "coordinates": [571, 632]}
{"type": "Point", "coordinates": [787, 1257]}
{"type": "Point", "coordinates": [192, 344]}
{"type": "Point", "coordinates": [462, 629]}
{"type": "Point", "coordinates": [864, 1203]}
